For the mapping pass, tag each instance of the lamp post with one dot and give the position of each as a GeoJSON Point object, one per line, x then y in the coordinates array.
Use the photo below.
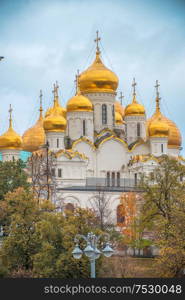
{"type": "Point", "coordinates": [91, 250]}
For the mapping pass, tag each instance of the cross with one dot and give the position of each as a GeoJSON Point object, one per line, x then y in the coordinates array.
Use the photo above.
{"type": "Point", "coordinates": [56, 88]}
{"type": "Point", "coordinates": [157, 86]}
{"type": "Point", "coordinates": [97, 41]}
{"type": "Point", "coordinates": [76, 81]}
{"type": "Point", "coordinates": [121, 97]}
{"type": "Point", "coordinates": [10, 111]}
{"type": "Point", "coordinates": [157, 98]}
{"type": "Point", "coordinates": [40, 96]}
{"type": "Point", "coordinates": [134, 86]}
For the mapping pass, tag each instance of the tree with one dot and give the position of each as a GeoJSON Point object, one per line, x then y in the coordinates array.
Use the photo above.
{"type": "Point", "coordinates": [164, 212]}
{"type": "Point", "coordinates": [101, 206]}
{"type": "Point", "coordinates": [12, 176]}
{"type": "Point", "coordinates": [39, 240]}
{"type": "Point", "coordinates": [40, 168]}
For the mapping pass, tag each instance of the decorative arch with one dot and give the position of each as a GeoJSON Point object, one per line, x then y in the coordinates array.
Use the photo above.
{"type": "Point", "coordinates": [83, 139]}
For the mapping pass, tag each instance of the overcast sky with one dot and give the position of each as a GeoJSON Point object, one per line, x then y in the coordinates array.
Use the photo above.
{"type": "Point", "coordinates": [44, 41]}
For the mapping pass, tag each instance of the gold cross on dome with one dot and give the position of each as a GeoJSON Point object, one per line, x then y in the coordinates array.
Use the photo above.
{"type": "Point", "coordinates": [157, 87]}
{"type": "Point", "coordinates": [77, 80]}
{"type": "Point", "coordinates": [10, 112]}
{"type": "Point", "coordinates": [134, 86]}
{"type": "Point", "coordinates": [56, 88]}
{"type": "Point", "coordinates": [97, 41]}
{"type": "Point", "coordinates": [40, 96]}
{"type": "Point", "coordinates": [121, 97]}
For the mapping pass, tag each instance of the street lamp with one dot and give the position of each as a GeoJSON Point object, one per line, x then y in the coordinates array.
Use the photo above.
{"type": "Point", "coordinates": [91, 250]}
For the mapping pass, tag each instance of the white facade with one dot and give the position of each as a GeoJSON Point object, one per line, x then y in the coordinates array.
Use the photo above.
{"type": "Point", "coordinates": [10, 154]}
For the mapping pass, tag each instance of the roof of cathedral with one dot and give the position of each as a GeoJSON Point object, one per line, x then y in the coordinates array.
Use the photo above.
{"type": "Point", "coordinates": [134, 108]}
{"type": "Point", "coordinates": [174, 135]}
{"type": "Point", "coordinates": [55, 120]}
{"type": "Point", "coordinates": [10, 139]}
{"type": "Point", "coordinates": [79, 102]}
{"type": "Point", "coordinates": [34, 137]}
{"type": "Point", "coordinates": [98, 78]}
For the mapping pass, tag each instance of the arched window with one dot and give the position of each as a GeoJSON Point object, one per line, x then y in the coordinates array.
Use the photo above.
{"type": "Point", "coordinates": [59, 172]}
{"type": "Point", "coordinates": [104, 114]}
{"type": "Point", "coordinates": [113, 114]}
{"type": "Point", "coordinates": [138, 129]}
{"type": "Point", "coordinates": [120, 214]}
{"type": "Point", "coordinates": [135, 178]}
{"type": "Point", "coordinates": [57, 143]}
{"type": "Point", "coordinates": [118, 178]}
{"type": "Point", "coordinates": [113, 178]}
{"type": "Point", "coordinates": [108, 178]}
{"type": "Point", "coordinates": [84, 128]}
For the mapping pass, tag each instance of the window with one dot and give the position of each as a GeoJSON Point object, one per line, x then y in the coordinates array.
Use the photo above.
{"type": "Point", "coordinates": [104, 114]}
{"type": "Point", "coordinates": [135, 178]}
{"type": "Point", "coordinates": [138, 129]}
{"type": "Point", "coordinates": [84, 128]}
{"type": "Point", "coordinates": [53, 172]}
{"type": "Point", "coordinates": [113, 114]}
{"type": "Point", "coordinates": [118, 178]}
{"type": "Point", "coordinates": [113, 179]}
{"type": "Point", "coordinates": [59, 172]}
{"type": "Point", "coordinates": [57, 143]}
{"type": "Point", "coordinates": [162, 148]}
{"type": "Point", "coordinates": [108, 178]}
{"type": "Point", "coordinates": [120, 214]}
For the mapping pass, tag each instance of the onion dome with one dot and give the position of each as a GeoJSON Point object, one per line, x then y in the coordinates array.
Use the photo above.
{"type": "Point", "coordinates": [55, 122]}
{"type": "Point", "coordinates": [98, 78]}
{"type": "Point", "coordinates": [134, 109]}
{"type": "Point", "coordinates": [174, 135]}
{"type": "Point", "coordinates": [34, 137]}
{"type": "Point", "coordinates": [10, 139]}
{"type": "Point", "coordinates": [158, 128]}
{"type": "Point", "coordinates": [61, 110]}
{"type": "Point", "coordinates": [118, 118]}
{"type": "Point", "coordinates": [79, 102]}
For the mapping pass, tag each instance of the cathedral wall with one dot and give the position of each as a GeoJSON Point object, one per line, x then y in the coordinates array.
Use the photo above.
{"type": "Point", "coordinates": [98, 99]}
{"type": "Point", "coordinates": [75, 125]}
{"type": "Point", "coordinates": [131, 125]}
{"type": "Point", "coordinates": [111, 156]}
{"type": "Point", "coordinates": [87, 149]}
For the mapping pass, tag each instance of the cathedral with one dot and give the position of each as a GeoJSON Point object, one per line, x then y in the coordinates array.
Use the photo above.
{"type": "Point", "coordinates": [99, 145]}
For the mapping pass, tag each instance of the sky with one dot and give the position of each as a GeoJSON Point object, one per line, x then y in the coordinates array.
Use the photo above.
{"type": "Point", "coordinates": [44, 41]}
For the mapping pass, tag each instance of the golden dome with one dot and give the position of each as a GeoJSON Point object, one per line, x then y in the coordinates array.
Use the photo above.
{"type": "Point", "coordinates": [10, 139]}
{"type": "Point", "coordinates": [119, 108]}
{"type": "Point", "coordinates": [158, 128]}
{"type": "Point", "coordinates": [34, 137]}
{"type": "Point", "coordinates": [174, 135]}
{"type": "Point", "coordinates": [98, 78]}
{"type": "Point", "coordinates": [55, 117]}
{"type": "Point", "coordinates": [79, 103]}
{"type": "Point", "coordinates": [61, 110]}
{"type": "Point", "coordinates": [134, 108]}
{"type": "Point", "coordinates": [55, 122]}
{"type": "Point", "coordinates": [118, 118]}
